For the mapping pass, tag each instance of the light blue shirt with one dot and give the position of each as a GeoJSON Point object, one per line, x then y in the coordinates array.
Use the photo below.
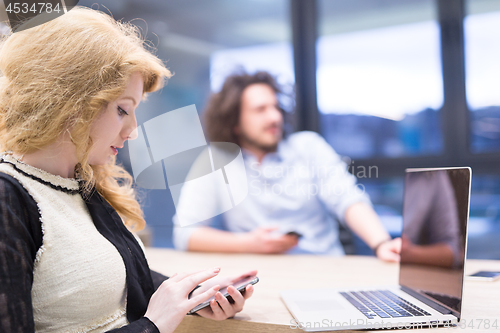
{"type": "Point", "coordinates": [304, 187]}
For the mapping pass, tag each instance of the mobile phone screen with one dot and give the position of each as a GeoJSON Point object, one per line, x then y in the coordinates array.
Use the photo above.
{"type": "Point", "coordinates": [486, 275]}
{"type": "Point", "coordinates": [239, 285]}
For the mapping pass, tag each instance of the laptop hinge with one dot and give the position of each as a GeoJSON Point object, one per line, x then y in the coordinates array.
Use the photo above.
{"type": "Point", "coordinates": [422, 298]}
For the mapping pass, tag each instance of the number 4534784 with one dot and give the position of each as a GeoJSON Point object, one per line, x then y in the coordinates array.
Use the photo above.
{"type": "Point", "coordinates": [36, 8]}
{"type": "Point", "coordinates": [478, 324]}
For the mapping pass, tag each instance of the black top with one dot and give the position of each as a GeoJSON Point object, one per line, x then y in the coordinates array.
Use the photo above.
{"type": "Point", "coordinates": [21, 237]}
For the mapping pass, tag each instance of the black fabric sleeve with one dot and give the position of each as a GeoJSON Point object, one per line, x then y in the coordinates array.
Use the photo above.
{"type": "Point", "coordinates": [142, 325]}
{"type": "Point", "coordinates": [20, 239]}
{"type": "Point", "coordinates": [139, 281]}
{"type": "Point", "coordinates": [158, 278]}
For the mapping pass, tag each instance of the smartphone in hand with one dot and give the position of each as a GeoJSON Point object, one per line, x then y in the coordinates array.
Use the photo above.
{"type": "Point", "coordinates": [239, 285]}
{"type": "Point", "coordinates": [293, 233]}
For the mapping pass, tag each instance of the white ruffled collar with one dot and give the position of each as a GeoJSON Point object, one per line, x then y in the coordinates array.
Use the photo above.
{"type": "Point", "coordinates": [55, 181]}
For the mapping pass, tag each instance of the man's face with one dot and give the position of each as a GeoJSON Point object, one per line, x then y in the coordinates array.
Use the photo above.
{"type": "Point", "coordinates": [261, 121]}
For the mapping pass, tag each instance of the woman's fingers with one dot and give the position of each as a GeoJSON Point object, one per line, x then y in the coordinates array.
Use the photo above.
{"type": "Point", "coordinates": [194, 301]}
{"type": "Point", "coordinates": [191, 281]}
{"type": "Point", "coordinates": [218, 313]}
{"type": "Point", "coordinates": [225, 305]}
{"type": "Point", "coordinates": [248, 291]}
{"type": "Point", "coordinates": [187, 281]}
{"type": "Point", "coordinates": [221, 308]}
{"type": "Point", "coordinates": [244, 275]}
{"type": "Point", "coordinates": [238, 298]}
{"type": "Point", "coordinates": [180, 276]}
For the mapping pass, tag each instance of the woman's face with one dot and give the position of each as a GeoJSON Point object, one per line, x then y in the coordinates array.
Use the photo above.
{"type": "Point", "coordinates": [114, 126]}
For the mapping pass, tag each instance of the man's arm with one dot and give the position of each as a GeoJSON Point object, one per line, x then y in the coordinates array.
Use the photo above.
{"type": "Point", "coordinates": [343, 198]}
{"type": "Point", "coordinates": [260, 240]}
{"type": "Point", "coordinates": [213, 240]}
{"type": "Point", "coordinates": [439, 254]}
{"type": "Point", "coordinates": [362, 219]}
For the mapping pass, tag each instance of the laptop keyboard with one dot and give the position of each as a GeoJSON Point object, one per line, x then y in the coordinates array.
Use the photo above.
{"type": "Point", "coordinates": [383, 304]}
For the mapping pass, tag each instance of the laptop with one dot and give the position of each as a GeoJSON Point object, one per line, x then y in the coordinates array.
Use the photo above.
{"type": "Point", "coordinates": [431, 271]}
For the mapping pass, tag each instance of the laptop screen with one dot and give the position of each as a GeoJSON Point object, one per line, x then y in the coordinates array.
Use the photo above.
{"type": "Point", "coordinates": [435, 215]}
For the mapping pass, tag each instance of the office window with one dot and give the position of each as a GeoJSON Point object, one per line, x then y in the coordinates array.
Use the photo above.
{"type": "Point", "coordinates": [387, 198]}
{"type": "Point", "coordinates": [482, 56]}
{"type": "Point", "coordinates": [275, 58]}
{"type": "Point", "coordinates": [484, 218]}
{"type": "Point", "coordinates": [379, 78]}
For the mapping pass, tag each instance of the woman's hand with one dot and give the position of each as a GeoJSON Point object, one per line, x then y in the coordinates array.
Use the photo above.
{"type": "Point", "coordinates": [170, 303]}
{"type": "Point", "coordinates": [220, 308]}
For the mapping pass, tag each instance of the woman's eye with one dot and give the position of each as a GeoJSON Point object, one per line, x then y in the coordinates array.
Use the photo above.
{"type": "Point", "coordinates": [122, 112]}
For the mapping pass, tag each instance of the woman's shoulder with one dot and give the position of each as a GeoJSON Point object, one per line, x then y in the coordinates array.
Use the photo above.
{"type": "Point", "coordinates": [18, 210]}
{"type": "Point", "coordinates": [11, 188]}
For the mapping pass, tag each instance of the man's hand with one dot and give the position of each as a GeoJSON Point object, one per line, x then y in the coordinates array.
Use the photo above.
{"type": "Point", "coordinates": [390, 250]}
{"type": "Point", "coordinates": [263, 240]}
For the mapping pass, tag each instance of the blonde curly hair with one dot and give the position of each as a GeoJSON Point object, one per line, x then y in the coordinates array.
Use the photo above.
{"type": "Point", "coordinates": [59, 76]}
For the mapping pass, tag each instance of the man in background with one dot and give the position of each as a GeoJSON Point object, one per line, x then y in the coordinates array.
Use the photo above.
{"type": "Point", "coordinates": [297, 185]}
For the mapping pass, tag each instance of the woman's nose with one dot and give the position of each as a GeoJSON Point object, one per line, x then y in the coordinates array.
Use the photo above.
{"type": "Point", "coordinates": [133, 135]}
{"type": "Point", "coordinates": [131, 129]}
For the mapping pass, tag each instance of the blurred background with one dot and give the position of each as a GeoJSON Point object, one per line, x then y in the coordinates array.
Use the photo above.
{"type": "Point", "coordinates": [388, 83]}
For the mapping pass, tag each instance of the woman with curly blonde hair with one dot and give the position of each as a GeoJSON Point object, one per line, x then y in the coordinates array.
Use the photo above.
{"type": "Point", "coordinates": [69, 260]}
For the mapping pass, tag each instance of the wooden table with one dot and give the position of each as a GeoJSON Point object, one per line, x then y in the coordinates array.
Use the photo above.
{"type": "Point", "coordinates": [265, 312]}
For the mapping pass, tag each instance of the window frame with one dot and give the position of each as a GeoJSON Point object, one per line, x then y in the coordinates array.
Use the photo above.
{"type": "Point", "coordinates": [455, 113]}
